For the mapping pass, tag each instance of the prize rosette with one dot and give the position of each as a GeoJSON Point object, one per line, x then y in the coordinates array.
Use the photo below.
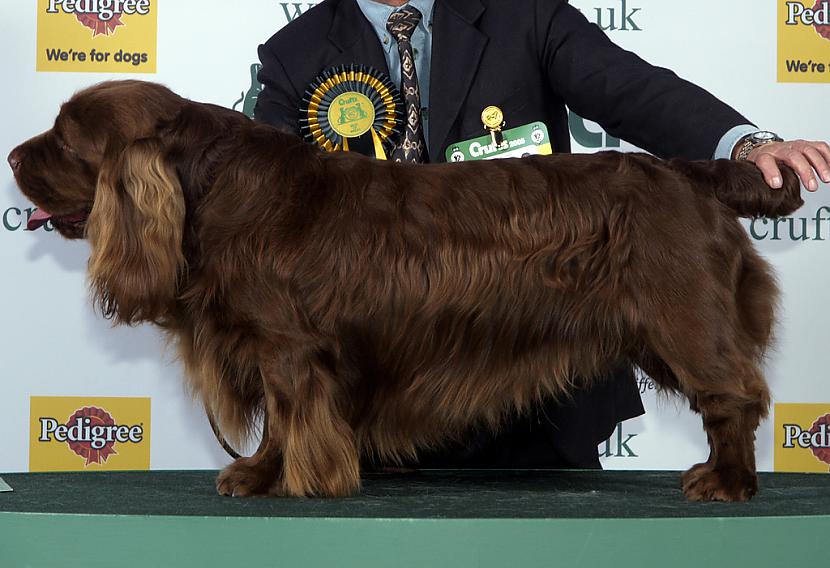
{"type": "Point", "coordinates": [99, 26]}
{"type": "Point", "coordinates": [822, 29]}
{"type": "Point", "coordinates": [97, 417]}
{"type": "Point", "coordinates": [352, 108]}
{"type": "Point", "coordinates": [821, 453]}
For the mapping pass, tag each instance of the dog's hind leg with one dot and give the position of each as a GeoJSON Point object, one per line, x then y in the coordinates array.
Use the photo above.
{"type": "Point", "coordinates": [704, 348]}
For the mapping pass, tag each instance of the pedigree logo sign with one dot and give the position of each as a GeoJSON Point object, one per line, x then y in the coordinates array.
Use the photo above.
{"type": "Point", "coordinates": [802, 437]}
{"type": "Point", "coordinates": [89, 434]}
{"type": "Point", "coordinates": [97, 36]}
{"type": "Point", "coordinates": [804, 41]}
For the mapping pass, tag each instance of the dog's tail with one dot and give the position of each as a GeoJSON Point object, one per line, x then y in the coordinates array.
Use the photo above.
{"type": "Point", "coordinates": [740, 186]}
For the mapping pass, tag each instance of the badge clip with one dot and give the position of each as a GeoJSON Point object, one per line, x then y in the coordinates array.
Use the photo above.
{"type": "Point", "coordinates": [493, 119]}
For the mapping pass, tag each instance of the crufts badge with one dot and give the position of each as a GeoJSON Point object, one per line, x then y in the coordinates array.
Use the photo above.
{"type": "Point", "coordinates": [352, 108]}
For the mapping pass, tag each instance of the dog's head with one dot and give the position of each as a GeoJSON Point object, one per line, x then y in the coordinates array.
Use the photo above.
{"type": "Point", "coordinates": [60, 170]}
{"type": "Point", "coordinates": [111, 169]}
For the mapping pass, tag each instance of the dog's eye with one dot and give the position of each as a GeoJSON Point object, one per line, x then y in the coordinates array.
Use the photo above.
{"type": "Point", "coordinates": [63, 145]}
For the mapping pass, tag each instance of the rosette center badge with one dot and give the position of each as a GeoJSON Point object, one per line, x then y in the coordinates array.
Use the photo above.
{"type": "Point", "coordinates": [352, 108]}
{"type": "Point", "coordinates": [351, 115]}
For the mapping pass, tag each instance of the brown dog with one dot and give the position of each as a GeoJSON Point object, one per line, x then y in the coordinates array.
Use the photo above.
{"type": "Point", "coordinates": [373, 308]}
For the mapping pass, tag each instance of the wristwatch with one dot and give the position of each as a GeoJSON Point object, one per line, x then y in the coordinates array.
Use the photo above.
{"type": "Point", "coordinates": [755, 140]}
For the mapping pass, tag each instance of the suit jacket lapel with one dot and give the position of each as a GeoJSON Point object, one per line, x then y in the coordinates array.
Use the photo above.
{"type": "Point", "coordinates": [353, 35]}
{"type": "Point", "coordinates": [457, 47]}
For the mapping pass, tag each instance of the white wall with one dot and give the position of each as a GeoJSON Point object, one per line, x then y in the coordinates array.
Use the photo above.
{"type": "Point", "coordinates": [52, 343]}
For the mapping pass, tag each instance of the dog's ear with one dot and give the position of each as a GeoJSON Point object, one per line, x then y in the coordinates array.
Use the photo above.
{"type": "Point", "coordinates": [197, 137]}
{"type": "Point", "coordinates": [135, 230]}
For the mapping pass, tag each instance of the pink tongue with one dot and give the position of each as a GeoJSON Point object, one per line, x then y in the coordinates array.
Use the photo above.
{"type": "Point", "coordinates": [38, 219]}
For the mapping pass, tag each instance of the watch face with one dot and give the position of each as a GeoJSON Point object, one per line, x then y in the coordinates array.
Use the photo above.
{"type": "Point", "coordinates": [764, 136]}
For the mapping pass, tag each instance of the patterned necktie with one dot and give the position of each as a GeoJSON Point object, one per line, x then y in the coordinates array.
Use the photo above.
{"type": "Point", "coordinates": [401, 24]}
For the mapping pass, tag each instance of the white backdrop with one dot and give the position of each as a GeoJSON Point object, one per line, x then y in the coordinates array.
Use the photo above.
{"type": "Point", "coordinates": [53, 344]}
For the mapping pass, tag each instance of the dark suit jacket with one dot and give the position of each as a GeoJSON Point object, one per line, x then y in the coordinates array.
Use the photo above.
{"type": "Point", "coordinates": [531, 58]}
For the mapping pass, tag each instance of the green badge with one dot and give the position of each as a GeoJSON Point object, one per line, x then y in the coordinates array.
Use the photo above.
{"type": "Point", "coordinates": [528, 140]}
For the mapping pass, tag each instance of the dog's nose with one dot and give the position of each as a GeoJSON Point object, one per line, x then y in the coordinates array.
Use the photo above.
{"type": "Point", "coordinates": [14, 159]}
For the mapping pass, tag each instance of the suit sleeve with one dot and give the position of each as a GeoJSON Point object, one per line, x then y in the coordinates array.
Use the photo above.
{"type": "Point", "coordinates": [648, 106]}
{"type": "Point", "coordinates": [278, 103]}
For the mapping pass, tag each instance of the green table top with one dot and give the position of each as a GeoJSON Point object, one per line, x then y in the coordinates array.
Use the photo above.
{"type": "Point", "coordinates": [480, 494]}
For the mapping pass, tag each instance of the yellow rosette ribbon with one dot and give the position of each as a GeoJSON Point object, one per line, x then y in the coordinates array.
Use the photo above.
{"type": "Point", "coordinates": [352, 108]}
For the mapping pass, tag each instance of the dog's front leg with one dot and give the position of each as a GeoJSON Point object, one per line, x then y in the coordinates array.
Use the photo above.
{"type": "Point", "coordinates": [256, 475]}
{"type": "Point", "coordinates": [311, 448]}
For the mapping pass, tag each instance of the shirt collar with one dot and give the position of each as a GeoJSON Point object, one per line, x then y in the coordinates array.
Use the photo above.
{"type": "Point", "coordinates": [378, 14]}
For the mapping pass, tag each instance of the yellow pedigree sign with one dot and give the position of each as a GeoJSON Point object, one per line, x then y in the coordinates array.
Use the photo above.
{"type": "Point", "coordinates": [802, 437]}
{"type": "Point", "coordinates": [98, 36]}
{"type": "Point", "coordinates": [803, 41]}
{"type": "Point", "coordinates": [89, 434]}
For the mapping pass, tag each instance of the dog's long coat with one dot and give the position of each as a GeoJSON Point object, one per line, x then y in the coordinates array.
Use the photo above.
{"type": "Point", "coordinates": [379, 308]}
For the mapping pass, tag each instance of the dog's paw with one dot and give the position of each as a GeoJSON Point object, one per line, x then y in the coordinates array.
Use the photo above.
{"type": "Point", "coordinates": [705, 483]}
{"type": "Point", "coordinates": [248, 477]}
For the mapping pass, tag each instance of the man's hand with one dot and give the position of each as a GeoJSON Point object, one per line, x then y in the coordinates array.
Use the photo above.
{"type": "Point", "coordinates": [806, 158]}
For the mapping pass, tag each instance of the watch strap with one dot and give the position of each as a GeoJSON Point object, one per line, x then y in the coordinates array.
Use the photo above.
{"type": "Point", "coordinates": [750, 142]}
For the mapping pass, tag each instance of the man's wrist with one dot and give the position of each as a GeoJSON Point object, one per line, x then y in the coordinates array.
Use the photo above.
{"type": "Point", "coordinates": [730, 141]}
{"type": "Point", "coordinates": [748, 143]}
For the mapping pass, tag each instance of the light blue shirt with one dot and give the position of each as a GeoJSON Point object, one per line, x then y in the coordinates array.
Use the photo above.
{"type": "Point", "coordinates": [378, 14]}
{"type": "Point", "coordinates": [727, 144]}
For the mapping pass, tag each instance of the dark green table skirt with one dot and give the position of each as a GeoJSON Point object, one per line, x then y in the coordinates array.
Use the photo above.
{"type": "Point", "coordinates": [424, 519]}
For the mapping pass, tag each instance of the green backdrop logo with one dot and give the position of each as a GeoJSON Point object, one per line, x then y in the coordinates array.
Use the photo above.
{"type": "Point", "coordinates": [815, 228]}
{"type": "Point", "coordinates": [248, 99]}
{"type": "Point", "coordinates": [294, 10]}
{"type": "Point", "coordinates": [589, 138]}
{"type": "Point", "coordinates": [15, 219]}
{"type": "Point", "coordinates": [616, 446]}
{"type": "Point", "coordinates": [618, 18]}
